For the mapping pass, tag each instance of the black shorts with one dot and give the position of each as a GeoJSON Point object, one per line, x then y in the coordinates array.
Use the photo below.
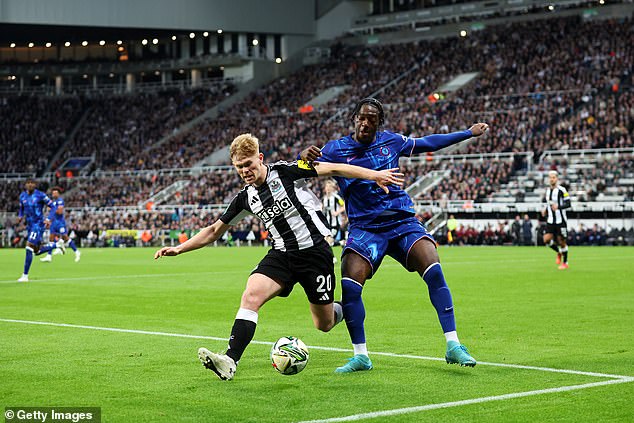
{"type": "Point", "coordinates": [313, 268]}
{"type": "Point", "coordinates": [557, 229]}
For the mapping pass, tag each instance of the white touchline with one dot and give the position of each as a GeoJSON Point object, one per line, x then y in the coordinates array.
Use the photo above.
{"type": "Point", "coordinates": [145, 275]}
{"type": "Point", "coordinates": [615, 379]}
{"type": "Point", "coordinates": [316, 347]}
{"type": "Point", "coordinates": [417, 409]}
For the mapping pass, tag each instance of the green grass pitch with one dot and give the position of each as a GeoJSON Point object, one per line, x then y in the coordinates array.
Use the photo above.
{"type": "Point", "coordinates": [513, 307]}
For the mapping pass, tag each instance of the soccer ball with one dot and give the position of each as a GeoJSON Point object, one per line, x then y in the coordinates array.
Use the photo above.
{"type": "Point", "coordinates": [289, 355]}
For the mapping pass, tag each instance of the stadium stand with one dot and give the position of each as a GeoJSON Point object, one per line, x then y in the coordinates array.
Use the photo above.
{"type": "Point", "coordinates": [550, 86]}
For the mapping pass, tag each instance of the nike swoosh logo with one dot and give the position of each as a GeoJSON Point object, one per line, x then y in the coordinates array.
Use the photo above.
{"type": "Point", "coordinates": [349, 159]}
{"type": "Point", "coordinates": [448, 308]}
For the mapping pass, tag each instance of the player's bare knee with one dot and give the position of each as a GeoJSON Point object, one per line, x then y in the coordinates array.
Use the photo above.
{"type": "Point", "coordinates": [251, 300]}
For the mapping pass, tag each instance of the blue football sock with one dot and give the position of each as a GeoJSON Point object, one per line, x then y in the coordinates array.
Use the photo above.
{"type": "Point", "coordinates": [72, 245]}
{"type": "Point", "coordinates": [440, 297]}
{"type": "Point", "coordinates": [28, 260]}
{"type": "Point", "coordinates": [353, 309]}
{"type": "Point", "coordinates": [45, 249]}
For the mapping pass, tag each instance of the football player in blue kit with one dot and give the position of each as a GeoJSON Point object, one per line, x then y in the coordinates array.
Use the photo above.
{"type": "Point", "coordinates": [385, 224]}
{"type": "Point", "coordinates": [58, 225]}
{"type": "Point", "coordinates": [32, 202]}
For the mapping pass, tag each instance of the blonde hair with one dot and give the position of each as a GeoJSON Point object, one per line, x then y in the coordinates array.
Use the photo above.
{"type": "Point", "coordinates": [331, 182]}
{"type": "Point", "coordinates": [553, 173]}
{"type": "Point", "coordinates": [244, 145]}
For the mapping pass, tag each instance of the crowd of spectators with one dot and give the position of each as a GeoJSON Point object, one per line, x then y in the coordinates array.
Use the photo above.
{"type": "Point", "coordinates": [32, 129]}
{"type": "Point", "coordinates": [474, 180]}
{"type": "Point", "coordinates": [119, 128]}
{"type": "Point", "coordinates": [546, 84]}
{"type": "Point", "coordinates": [550, 84]}
{"type": "Point", "coordinates": [151, 228]}
{"type": "Point", "coordinates": [506, 233]}
{"type": "Point", "coordinates": [159, 227]}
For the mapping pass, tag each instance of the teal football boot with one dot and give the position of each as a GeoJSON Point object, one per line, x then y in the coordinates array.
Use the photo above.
{"type": "Point", "coordinates": [357, 363]}
{"type": "Point", "coordinates": [458, 354]}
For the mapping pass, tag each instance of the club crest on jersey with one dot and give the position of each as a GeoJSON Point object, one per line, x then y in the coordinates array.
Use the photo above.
{"type": "Point", "coordinates": [385, 151]}
{"type": "Point", "coordinates": [275, 186]}
{"type": "Point", "coordinates": [279, 207]}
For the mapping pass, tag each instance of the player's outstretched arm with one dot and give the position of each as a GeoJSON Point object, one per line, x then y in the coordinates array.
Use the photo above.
{"type": "Point", "coordinates": [383, 178]}
{"type": "Point", "coordinates": [437, 142]}
{"type": "Point", "coordinates": [205, 237]}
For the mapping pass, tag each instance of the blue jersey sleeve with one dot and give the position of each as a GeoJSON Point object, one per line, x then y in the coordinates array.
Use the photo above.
{"type": "Point", "coordinates": [45, 200]}
{"type": "Point", "coordinates": [21, 211]}
{"type": "Point", "coordinates": [436, 142]}
{"type": "Point", "coordinates": [53, 213]}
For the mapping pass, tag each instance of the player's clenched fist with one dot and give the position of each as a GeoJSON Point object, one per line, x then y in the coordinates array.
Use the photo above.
{"type": "Point", "coordinates": [166, 251]}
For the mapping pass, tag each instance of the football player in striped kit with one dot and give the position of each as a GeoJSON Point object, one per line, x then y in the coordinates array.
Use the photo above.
{"type": "Point", "coordinates": [299, 251]}
{"type": "Point", "coordinates": [333, 207]}
{"type": "Point", "coordinates": [557, 201]}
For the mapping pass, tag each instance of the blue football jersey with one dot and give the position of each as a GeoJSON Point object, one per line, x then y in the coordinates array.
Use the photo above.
{"type": "Point", "coordinates": [32, 205]}
{"type": "Point", "coordinates": [53, 216]}
{"type": "Point", "coordinates": [366, 203]}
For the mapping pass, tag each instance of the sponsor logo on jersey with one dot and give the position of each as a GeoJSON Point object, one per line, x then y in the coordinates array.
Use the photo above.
{"type": "Point", "coordinates": [254, 200]}
{"type": "Point", "coordinates": [279, 207]}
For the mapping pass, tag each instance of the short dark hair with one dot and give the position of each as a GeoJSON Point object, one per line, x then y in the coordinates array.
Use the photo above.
{"type": "Point", "coordinates": [58, 189]}
{"type": "Point", "coordinates": [372, 102]}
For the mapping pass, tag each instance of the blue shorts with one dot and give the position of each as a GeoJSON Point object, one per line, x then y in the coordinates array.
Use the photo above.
{"type": "Point", "coordinates": [34, 234]}
{"type": "Point", "coordinates": [395, 240]}
{"type": "Point", "coordinates": [58, 228]}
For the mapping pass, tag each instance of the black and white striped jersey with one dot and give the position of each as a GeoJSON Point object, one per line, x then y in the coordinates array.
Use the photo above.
{"type": "Point", "coordinates": [288, 210]}
{"type": "Point", "coordinates": [559, 196]}
{"type": "Point", "coordinates": [331, 204]}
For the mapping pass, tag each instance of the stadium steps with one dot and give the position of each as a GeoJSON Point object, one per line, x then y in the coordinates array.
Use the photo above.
{"type": "Point", "coordinates": [427, 182]}
{"type": "Point", "coordinates": [68, 139]}
{"type": "Point", "coordinates": [166, 193]}
{"type": "Point", "coordinates": [436, 222]}
{"type": "Point", "coordinates": [458, 82]}
{"type": "Point", "coordinates": [326, 95]}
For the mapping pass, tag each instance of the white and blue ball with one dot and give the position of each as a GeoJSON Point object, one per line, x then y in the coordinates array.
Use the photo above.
{"type": "Point", "coordinates": [289, 355]}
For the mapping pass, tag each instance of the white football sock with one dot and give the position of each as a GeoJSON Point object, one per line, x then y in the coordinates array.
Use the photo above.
{"type": "Point", "coordinates": [452, 336]}
{"type": "Point", "coordinates": [360, 349]}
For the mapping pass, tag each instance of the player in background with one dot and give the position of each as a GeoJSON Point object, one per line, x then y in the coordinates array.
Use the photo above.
{"type": "Point", "coordinates": [58, 225]}
{"type": "Point", "coordinates": [333, 208]}
{"type": "Point", "coordinates": [385, 223]}
{"type": "Point", "coordinates": [32, 202]}
{"type": "Point", "coordinates": [557, 201]}
{"type": "Point", "coordinates": [299, 252]}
